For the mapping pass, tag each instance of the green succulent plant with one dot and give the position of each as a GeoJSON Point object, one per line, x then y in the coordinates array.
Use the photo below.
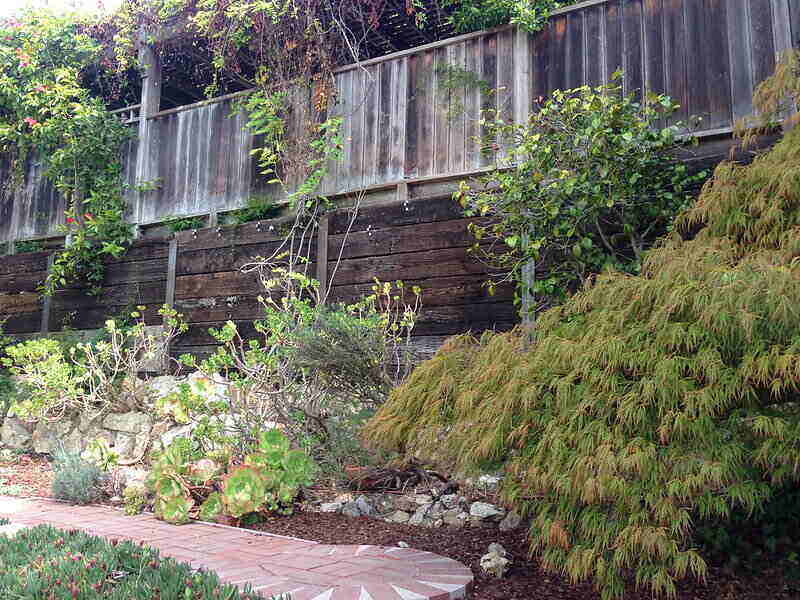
{"type": "Point", "coordinates": [212, 508]}
{"type": "Point", "coordinates": [174, 509]}
{"type": "Point", "coordinates": [243, 491]}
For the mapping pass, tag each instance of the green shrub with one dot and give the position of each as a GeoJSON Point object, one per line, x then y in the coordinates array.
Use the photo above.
{"type": "Point", "coordinates": [257, 209]}
{"type": "Point", "coordinates": [589, 182]}
{"type": "Point", "coordinates": [645, 403]}
{"type": "Point", "coordinates": [176, 224]}
{"type": "Point", "coordinates": [44, 562]}
{"type": "Point", "coordinates": [75, 479]}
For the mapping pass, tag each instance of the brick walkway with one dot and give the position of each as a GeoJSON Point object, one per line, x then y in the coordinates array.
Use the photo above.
{"type": "Point", "coordinates": [271, 564]}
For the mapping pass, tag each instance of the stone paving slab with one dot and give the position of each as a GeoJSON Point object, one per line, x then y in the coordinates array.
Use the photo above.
{"type": "Point", "coordinates": [272, 564]}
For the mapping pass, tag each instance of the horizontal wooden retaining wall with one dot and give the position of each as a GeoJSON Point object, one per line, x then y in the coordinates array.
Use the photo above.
{"type": "Point", "coordinates": [422, 242]}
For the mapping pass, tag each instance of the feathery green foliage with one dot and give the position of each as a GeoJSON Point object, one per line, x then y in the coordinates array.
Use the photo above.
{"type": "Point", "coordinates": [646, 402]}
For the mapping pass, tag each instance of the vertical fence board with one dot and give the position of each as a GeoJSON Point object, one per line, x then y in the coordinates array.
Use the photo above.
{"type": "Point", "coordinates": [371, 119]}
{"type": "Point", "coordinates": [763, 44]}
{"type": "Point", "coordinates": [574, 59]}
{"type": "Point", "coordinates": [655, 79]}
{"type": "Point", "coordinates": [412, 118]}
{"type": "Point", "coordinates": [488, 74]}
{"type": "Point", "coordinates": [632, 47]}
{"type": "Point", "coordinates": [505, 81]}
{"type": "Point", "coordinates": [595, 45]}
{"type": "Point", "coordinates": [440, 112]}
{"type": "Point", "coordinates": [718, 65]}
{"type": "Point", "coordinates": [472, 104]}
{"type": "Point", "coordinates": [675, 52]}
{"type": "Point", "coordinates": [386, 84]}
{"type": "Point", "coordinates": [739, 58]}
{"type": "Point", "coordinates": [399, 115]}
{"type": "Point", "coordinates": [457, 111]}
{"type": "Point", "coordinates": [794, 20]}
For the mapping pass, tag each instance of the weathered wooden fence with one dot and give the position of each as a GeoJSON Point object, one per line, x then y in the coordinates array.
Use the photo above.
{"type": "Point", "coordinates": [409, 122]}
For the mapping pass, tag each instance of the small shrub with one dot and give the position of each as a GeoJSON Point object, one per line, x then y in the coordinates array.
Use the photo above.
{"type": "Point", "coordinates": [134, 498]}
{"type": "Point", "coordinates": [44, 562]}
{"type": "Point", "coordinates": [257, 209]}
{"type": "Point", "coordinates": [75, 479]}
{"type": "Point", "coordinates": [25, 246]}
{"type": "Point", "coordinates": [176, 224]}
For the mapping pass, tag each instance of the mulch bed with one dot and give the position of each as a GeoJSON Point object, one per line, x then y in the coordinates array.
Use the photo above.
{"type": "Point", "coordinates": [26, 476]}
{"type": "Point", "coordinates": [526, 580]}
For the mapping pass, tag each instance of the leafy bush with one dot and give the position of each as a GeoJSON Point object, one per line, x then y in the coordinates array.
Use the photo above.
{"type": "Point", "coordinates": [76, 479]}
{"type": "Point", "coordinates": [267, 479]}
{"type": "Point", "coordinates": [257, 209]}
{"type": "Point", "coordinates": [44, 562]}
{"type": "Point", "coordinates": [318, 369]}
{"type": "Point", "coordinates": [645, 403]}
{"type": "Point", "coordinates": [474, 15]}
{"type": "Point", "coordinates": [90, 377]}
{"type": "Point", "coordinates": [176, 224]}
{"type": "Point", "coordinates": [589, 182]}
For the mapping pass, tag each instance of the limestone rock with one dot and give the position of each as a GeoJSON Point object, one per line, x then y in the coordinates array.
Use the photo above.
{"type": "Point", "coordinates": [418, 518]}
{"type": "Point", "coordinates": [130, 422]}
{"type": "Point", "coordinates": [398, 516]}
{"type": "Point", "coordinates": [330, 507]}
{"type": "Point", "coordinates": [350, 509]}
{"type": "Point", "coordinates": [484, 510]}
{"type": "Point", "coordinates": [495, 562]}
{"type": "Point", "coordinates": [450, 501]}
{"type": "Point", "coordinates": [15, 435]}
{"type": "Point", "coordinates": [406, 503]}
{"type": "Point", "coordinates": [512, 521]}
{"type": "Point", "coordinates": [364, 507]}
{"type": "Point", "coordinates": [48, 436]}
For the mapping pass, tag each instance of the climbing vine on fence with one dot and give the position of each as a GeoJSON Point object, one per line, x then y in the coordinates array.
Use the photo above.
{"type": "Point", "coordinates": [47, 115]}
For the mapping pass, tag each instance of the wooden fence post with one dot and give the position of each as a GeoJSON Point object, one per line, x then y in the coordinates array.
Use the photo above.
{"type": "Point", "coordinates": [47, 304]}
{"type": "Point", "coordinates": [172, 264]}
{"type": "Point", "coordinates": [322, 257]}
{"type": "Point", "coordinates": [149, 105]}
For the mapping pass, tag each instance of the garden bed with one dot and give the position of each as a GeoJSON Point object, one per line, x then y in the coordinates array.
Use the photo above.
{"type": "Point", "coordinates": [526, 580]}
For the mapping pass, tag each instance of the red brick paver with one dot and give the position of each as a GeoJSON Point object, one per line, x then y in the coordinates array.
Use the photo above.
{"type": "Point", "coordinates": [272, 564]}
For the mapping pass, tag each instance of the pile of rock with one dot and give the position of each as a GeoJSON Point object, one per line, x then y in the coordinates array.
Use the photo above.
{"type": "Point", "coordinates": [129, 434]}
{"type": "Point", "coordinates": [426, 510]}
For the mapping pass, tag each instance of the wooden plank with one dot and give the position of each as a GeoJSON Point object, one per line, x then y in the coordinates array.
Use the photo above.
{"type": "Point", "coordinates": [19, 302]}
{"type": "Point", "coordinates": [22, 282]}
{"type": "Point", "coordinates": [372, 105]}
{"type": "Point", "coordinates": [385, 88]}
{"type": "Point", "coordinates": [557, 74]}
{"type": "Point", "coordinates": [794, 18]}
{"type": "Point", "coordinates": [344, 177]}
{"type": "Point", "coordinates": [355, 161]}
{"type": "Point", "coordinates": [718, 66]}
{"type": "Point", "coordinates": [400, 99]}
{"type": "Point", "coordinates": [135, 271]}
{"type": "Point", "coordinates": [614, 54]}
{"type": "Point", "coordinates": [440, 111]}
{"type": "Point", "coordinates": [488, 101]}
{"type": "Point", "coordinates": [96, 317]}
{"type": "Point", "coordinates": [739, 58]}
{"type": "Point", "coordinates": [522, 76]}
{"type": "Point", "coordinates": [23, 323]}
{"type": "Point", "coordinates": [172, 261]}
{"type": "Point", "coordinates": [48, 300]}
{"type": "Point", "coordinates": [762, 40]}
{"type": "Point", "coordinates": [473, 101]}
{"type": "Point", "coordinates": [436, 291]}
{"type": "Point", "coordinates": [30, 262]}
{"type": "Point", "coordinates": [226, 258]}
{"type": "Point", "coordinates": [676, 58]}
{"type": "Point", "coordinates": [632, 26]}
{"type": "Point", "coordinates": [782, 25]}
{"type": "Point", "coordinates": [505, 83]}
{"type": "Point", "coordinates": [426, 236]}
{"type": "Point", "coordinates": [396, 214]}
{"type": "Point", "coordinates": [449, 320]}
{"type": "Point", "coordinates": [213, 309]}
{"type": "Point", "coordinates": [322, 255]}
{"type": "Point", "coordinates": [426, 114]}
{"type": "Point", "coordinates": [595, 45]}
{"type": "Point", "coordinates": [257, 232]}
{"type": "Point", "coordinates": [575, 57]}
{"type": "Point", "coordinates": [427, 264]}
{"type": "Point", "coordinates": [411, 168]}
{"type": "Point", "coordinates": [457, 113]}
{"type": "Point", "coordinates": [151, 292]}
{"type": "Point", "coordinates": [655, 73]}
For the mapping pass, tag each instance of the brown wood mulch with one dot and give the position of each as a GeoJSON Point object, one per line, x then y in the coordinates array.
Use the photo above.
{"type": "Point", "coordinates": [526, 580]}
{"type": "Point", "coordinates": [26, 476]}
